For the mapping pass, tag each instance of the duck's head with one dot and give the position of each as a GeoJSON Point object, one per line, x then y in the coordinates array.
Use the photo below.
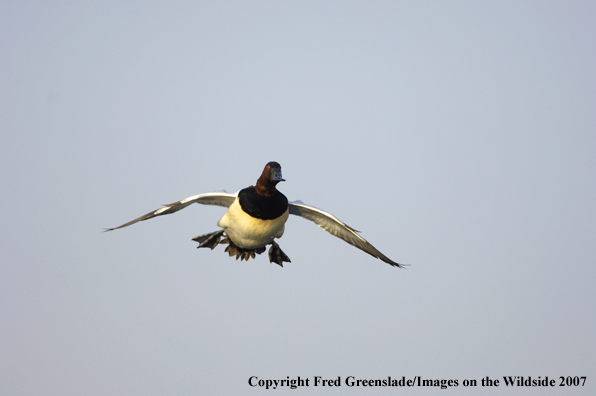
{"type": "Point", "coordinates": [272, 171]}
{"type": "Point", "coordinates": [269, 178]}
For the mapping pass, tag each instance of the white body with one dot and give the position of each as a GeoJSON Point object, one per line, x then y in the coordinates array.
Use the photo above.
{"type": "Point", "coordinates": [248, 232]}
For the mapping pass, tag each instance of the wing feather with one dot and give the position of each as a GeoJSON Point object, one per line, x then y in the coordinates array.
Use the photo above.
{"type": "Point", "coordinates": [338, 228]}
{"type": "Point", "coordinates": [214, 198]}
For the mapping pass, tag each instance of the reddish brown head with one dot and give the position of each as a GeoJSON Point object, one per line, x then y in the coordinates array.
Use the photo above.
{"type": "Point", "coordinates": [269, 178]}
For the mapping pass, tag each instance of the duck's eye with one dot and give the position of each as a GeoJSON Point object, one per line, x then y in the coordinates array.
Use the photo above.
{"type": "Point", "coordinates": [268, 167]}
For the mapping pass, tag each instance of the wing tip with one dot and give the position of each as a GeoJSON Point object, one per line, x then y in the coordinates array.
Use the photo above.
{"type": "Point", "coordinates": [393, 263]}
{"type": "Point", "coordinates": [402, 266]}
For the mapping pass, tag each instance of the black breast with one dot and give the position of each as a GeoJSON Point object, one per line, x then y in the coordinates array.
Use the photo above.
{"type": "Point", "coordinates": [260, 206]}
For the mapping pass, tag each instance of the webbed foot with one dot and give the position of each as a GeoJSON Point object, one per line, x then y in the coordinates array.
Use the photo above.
{"type": "Point", "coordinates": [276, 255]}
{"type": "Point", "coordinates": [209, 240]}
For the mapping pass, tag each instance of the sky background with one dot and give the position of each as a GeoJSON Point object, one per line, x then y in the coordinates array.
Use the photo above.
{"type": "Point", "coordinates": [459, 137]}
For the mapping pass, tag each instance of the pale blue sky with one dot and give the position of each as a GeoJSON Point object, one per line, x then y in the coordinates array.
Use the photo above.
{"type": "Point", "coordinates": [458, 137]}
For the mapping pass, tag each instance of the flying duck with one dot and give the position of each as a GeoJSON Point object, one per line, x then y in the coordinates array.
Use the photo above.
{"type": "Point", "coordinates": [257, 215]}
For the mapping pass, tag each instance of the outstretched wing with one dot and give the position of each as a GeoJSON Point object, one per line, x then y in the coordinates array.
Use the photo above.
{"type": "Point", "coordinates": [338, 228]}
{"type": "Point", "coordinates": [214, 198]}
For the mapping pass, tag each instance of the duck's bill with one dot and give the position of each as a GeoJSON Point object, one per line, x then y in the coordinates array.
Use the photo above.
{"type": "Point", "coordinates": [276, 175]}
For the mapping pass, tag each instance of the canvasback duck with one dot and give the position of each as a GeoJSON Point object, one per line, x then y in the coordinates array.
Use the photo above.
{"type": "Point", "coordinates": [257, 215]}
